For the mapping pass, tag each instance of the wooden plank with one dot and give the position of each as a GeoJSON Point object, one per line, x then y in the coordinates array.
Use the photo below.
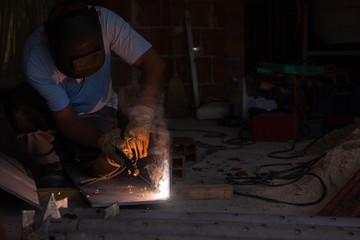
{"type": "Point", "coordinates": [341, 199]}
{"type": "Point", "coordinates": [219, 191]}
{"type": "Point", "coordinates": [355, 212]}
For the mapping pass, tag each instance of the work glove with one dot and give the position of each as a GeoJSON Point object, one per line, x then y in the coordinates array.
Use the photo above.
{"type": "Point", "coordinates": [111, 144]}
{"type": "Point", "coordinates": [137, 132]}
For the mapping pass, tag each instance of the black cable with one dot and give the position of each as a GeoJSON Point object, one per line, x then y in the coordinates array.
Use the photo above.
{"type": "Point", "coordinates": [273, 154]}
{"type": "Point", "coordinates": [266, 178]}
{"type": "Point", "coordinates": [290, 203]}
{"type": "Point", "coordinates": [292, 175]}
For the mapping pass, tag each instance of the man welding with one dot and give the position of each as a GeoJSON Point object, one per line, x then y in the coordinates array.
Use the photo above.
{"type": "Point", "coordinates": [68, 62]}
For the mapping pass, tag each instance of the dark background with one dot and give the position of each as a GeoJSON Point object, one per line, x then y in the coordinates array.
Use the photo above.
{"type": "Point", "coordinates": [233, 36]}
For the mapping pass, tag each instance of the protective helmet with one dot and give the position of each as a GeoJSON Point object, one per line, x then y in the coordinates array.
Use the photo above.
{"type": "Point", "coordinates": [76, 42]}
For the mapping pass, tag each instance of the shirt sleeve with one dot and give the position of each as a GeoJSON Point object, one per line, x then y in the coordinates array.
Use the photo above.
{"type": "Point", "coordinates": [40, 71]}
{"type": "Point", "coordinates": [123, 40]}
{"type": "Point", "coordinates": [54, 95]}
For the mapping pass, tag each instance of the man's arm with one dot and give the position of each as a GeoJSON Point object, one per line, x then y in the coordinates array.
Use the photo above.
{"type": "Point", "coordinates": [152, 68]}
{"type": "Point", "coordinates": [137, 132]}
{"type": "Point", "coordinates": [75, 128]}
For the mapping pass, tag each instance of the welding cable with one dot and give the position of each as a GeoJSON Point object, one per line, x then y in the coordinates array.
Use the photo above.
{"type": "Point", "coordinates": [274, 153]}
{"type": "Point", "coordinates": [110, 175]}
{"type": "Point", "coordinates": [119, 169]}
{"type": "Point", "coordinates": [292, 175]}
{"type": "Point", "coordinates": [323, 195]}
{"type": "Point", "coordinates": [107, 176]}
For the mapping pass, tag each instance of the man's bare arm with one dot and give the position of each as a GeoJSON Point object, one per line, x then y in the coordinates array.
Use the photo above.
{"type": "Point", "coordinates": [152, 68]}
{"type": "Point", "coordinates": [75, 128]}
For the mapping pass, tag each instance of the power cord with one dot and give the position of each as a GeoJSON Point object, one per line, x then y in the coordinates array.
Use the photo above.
{"type": "Point", "coordinates": [274, 154]}
{"type": "Point", "coordinates": [269, 178]}
{"type": "Point", "coordinates": [289, 203]}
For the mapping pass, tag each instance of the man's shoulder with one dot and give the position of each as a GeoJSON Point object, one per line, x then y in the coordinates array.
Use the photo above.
{"type": "Point", "coordinates": [37, 37]}
{"type": "Point", "coordinates": [36, 55]}
{"type": "Point", "coordinates": [36, 43]}
{"type": "Point", "coordinates": [108, 17]}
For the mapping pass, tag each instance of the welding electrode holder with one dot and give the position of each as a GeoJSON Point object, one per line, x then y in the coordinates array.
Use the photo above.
{"type": "Point", "coordinates": [130, 164]}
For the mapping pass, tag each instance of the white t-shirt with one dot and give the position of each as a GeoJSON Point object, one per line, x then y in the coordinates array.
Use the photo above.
{"type": "Point", "coordinates": [90, 94]}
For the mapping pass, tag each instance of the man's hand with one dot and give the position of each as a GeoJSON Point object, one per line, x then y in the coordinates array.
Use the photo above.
{"type": "Point", "coordinates": [137, 132]}
{"type": "Point", "coordinates": [111, 142]}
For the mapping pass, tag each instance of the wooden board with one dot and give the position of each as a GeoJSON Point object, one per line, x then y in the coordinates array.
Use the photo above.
{"type": "Point", "coordinates": [123, 189]}
{"type": "Point", "coordinates": [16, 180]}
{"type": "Point", "coordinates": [218, 191]}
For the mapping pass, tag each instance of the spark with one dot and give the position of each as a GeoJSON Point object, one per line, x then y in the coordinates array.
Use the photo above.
{"type": "Point", "coordinates": [164, 186]}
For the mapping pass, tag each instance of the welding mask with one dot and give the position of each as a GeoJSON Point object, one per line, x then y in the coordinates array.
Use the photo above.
{"type": "Point", "coordinates": [76, 42]}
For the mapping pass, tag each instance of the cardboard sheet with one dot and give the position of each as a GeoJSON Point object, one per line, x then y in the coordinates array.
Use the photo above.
{"type": "Point", "coordinates": [16, 180]}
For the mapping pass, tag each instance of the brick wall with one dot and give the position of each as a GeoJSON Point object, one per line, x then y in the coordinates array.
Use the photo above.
{"type": "Point", "coordinates": [217, 29]}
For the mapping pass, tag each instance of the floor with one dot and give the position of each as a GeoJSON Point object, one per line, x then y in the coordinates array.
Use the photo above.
{"type": "Point", "coordinates": [216, 161]}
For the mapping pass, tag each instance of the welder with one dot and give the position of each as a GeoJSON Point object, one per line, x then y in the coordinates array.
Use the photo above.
{"type": "Point", "coordinates": [68, 62]}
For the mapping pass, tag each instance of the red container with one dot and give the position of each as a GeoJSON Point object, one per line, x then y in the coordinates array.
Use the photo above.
{"type": "Point", "coordinates": [274, 127]}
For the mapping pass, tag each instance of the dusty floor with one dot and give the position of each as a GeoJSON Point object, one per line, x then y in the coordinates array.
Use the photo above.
{"type": "Point", "coordinates": [339, 164]}
{"type": "Point", "coordinates": [214, 165]}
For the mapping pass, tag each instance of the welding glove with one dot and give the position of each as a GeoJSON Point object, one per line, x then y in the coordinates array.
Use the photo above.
{"type": "Point", "coordinates": [137, 132]}
{"type": "Point", "coordinates": [111, 143]}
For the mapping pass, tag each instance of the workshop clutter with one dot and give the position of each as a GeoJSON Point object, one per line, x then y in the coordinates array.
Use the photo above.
{"type": "Point", "coordinates": [308, 105]}
{"type": "Point", "coordinates": [269, 109]}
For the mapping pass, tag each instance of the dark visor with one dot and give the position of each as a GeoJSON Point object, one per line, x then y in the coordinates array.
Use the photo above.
{"type": "Point", "coordinates": [76, 43]}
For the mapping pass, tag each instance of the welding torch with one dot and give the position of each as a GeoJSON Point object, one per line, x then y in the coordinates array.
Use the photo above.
{"type": "Point", "coordinates": [131, 165]}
